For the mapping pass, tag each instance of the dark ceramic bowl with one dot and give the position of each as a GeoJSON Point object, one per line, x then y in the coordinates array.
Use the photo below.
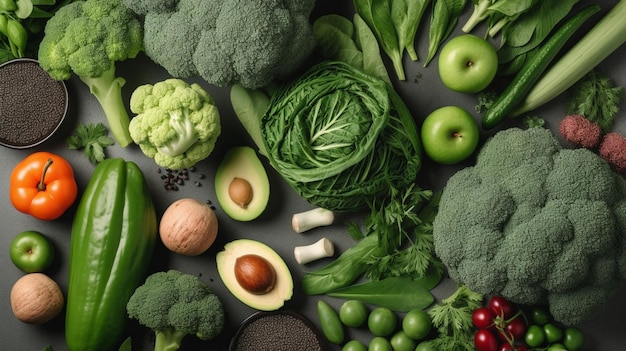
{"type": "Point", "coordinates": [277, 331]}
{"type": "Point", "coordinates": [32, 104]}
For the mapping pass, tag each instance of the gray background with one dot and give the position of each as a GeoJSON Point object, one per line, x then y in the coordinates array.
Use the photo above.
{"type": "Point", "coordinates": [422, 91]}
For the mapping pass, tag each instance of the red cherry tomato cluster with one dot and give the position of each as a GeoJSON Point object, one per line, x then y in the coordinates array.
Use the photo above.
{"type": "Point", "coordinates": [501, 326]}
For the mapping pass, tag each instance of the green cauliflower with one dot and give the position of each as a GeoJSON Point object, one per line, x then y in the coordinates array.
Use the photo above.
{"type": "Point", "coordinates": [87, 38]}
{"type": "Point", "coordinates": [174, 304]}
{"type": "Point", "coordinates": [177, 123]}
{"type": "Point", "coordinates": [536, 223]}
{"type": "Point", "coordinates": [250, 42]}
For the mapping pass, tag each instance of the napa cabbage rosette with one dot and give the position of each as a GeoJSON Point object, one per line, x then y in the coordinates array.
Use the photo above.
{"type": "Point", "coordinates": [341, 138]}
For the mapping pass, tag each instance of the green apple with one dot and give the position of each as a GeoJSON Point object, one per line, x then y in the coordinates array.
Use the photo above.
{"type": "Point", "coordinates": [31, 251]}
{"type": "Point", "coordinates": [449, 135]}
{"type": "Point", "coordinates": [467, 63]}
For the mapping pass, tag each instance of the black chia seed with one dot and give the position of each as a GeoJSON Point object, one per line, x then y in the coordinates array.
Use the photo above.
{"type": "Point", "coordinates": [278, 332]}
{"type": "Point", "coordinates": [32, 105]}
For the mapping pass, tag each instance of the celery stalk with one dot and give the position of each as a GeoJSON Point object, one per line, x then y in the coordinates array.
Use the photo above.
{"type": "Point", "coordinates": [602, 40]}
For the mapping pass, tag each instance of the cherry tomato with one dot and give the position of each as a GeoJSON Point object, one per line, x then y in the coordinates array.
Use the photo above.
{"type": "Point", "coordinates": [417, 324]}
{"type": "Point", "coordinates": [502, 307]}
{"type": "Point", "coordinates": [382, 321]}
{"type": "Point", "coordinates": [483, 318]}
{"type": "Point", "coordinates": [353, 313]}
{"type": "Point", "coordinates": [425, 346]}
{"type": "Point", "coordinates": [573, 339]}
{"type": "Point", "coordinates": [553, 333]}
{"type": "Point", "coordinates": [379, 343]}
{"type": "Point", "coordinates": [485, 340]}
{"type": "Point", "coordinates": [509, 347]}
{"type": "Point", "coordinates": [556, 347]}
{"type": "Point", "coordinates": [540, 316]}
{"type": "Point", "coordinates": [535, 336]}
{"type": "Point", "coordinates": [400, 341]}
{"type": "Point", "coordinates": [516, 328]}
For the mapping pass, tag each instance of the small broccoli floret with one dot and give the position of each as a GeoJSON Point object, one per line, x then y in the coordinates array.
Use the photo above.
{"type": "Point", "coordinates": [87, 38]}
{"type": "Point", "coordinates": [177, 124]}
{"type": "Point", "coordinates": [536, 223]}
{"type": "Point", "coordinates": [174, 305]}
{"type": "Point", "coordinates": [226, 42]}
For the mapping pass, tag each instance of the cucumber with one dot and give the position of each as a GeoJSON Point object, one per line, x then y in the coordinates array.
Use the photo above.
{"type": "Point", "coordinates": [112, 239]}
{"type": "Point", "coordinates": [532, 70]}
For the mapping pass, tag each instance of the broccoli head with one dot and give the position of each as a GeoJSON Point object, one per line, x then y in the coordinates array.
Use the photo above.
{"type": "Point", "coordinates": [536, 223]}
{"type": "Point", "coordinates": [250, 42]}
{"type": "Point", "coordinates": [87, 38]}
{"type": "Point", "coordinates": [174, 304]}
{"type": "Point", "coordinates": [177, 124]}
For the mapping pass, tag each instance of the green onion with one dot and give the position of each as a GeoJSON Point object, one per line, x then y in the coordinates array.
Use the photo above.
{"type": "Point", "coordinates": [602, 40]}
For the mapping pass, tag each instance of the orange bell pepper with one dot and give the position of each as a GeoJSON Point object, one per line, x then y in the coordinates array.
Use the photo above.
{"type": "Point", "coordinates": [43, 186]}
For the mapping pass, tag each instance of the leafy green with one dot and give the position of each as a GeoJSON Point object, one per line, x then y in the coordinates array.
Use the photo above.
{"type": "Point", "coordinates": [522, 37]}
{"type": "Point", "coordinates": [341, 138]}
{"type": "Point", "coordinates": [93, 138]}
{"type": "Point", "coordinates": [397, 294]}
{"type": "Point", "coordinates": [396, 242]}
{"type": "Point", "coordinates": [352, 42]}
{"type": "Point", "coordinates": [443, 19]}
{"type": "Point", "coordinates": [394, 24]}
{"type": "Point", "coordinates": [597, 98]}
{"type": "Point", "coordinates": [452, 318]}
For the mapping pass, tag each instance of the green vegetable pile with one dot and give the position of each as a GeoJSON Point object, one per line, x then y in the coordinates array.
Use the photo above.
{"type": "Point", "coordinates": [226, 42]}
{"type": "Point", "coordinates": [177, 123]}
{"type": "Point", "coordinates": [341, 138]}
{"type": "Point", "coordinates": [535, 223]}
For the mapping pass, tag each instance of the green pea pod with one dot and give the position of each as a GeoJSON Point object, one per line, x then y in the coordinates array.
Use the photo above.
{"type": "Point", "coordinates": [332, 328]}
{"type": "Point", "coordinates": [111, 244]}
{"type": "Point", "coordinates": [17, 37]}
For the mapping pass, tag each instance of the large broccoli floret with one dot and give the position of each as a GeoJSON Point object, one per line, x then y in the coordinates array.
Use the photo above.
{"type": "Point", "coordinates": [536, 223]}
{"type": "Point", "coordinates": [174, 304]}
{"type": "Point", "coordinates": [87, 38]}
{"type": "Point", "coordinates": [177, 123]}
{"type": "Point", "coordinates": [250, 42]}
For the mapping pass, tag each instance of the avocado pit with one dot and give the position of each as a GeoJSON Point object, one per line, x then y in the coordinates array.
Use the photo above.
{"type": "Point", "coordinates": [240, 191]}
{"type": "Point", "coordinates": [255, 274]}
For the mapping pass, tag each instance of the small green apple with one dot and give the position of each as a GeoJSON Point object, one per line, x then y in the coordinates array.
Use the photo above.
{"type": "Point", "coordinates": [449, 135]}
{"type": "Point", "coordinates": [467, 63]}
{"type": "Point", "coordinates": [31, 251]}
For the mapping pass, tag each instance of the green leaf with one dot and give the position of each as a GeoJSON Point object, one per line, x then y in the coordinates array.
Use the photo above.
{"type": "Point", "coordinates": [597, 98]}
{"type": "Point", "coordinates": [397, 294]}
{"type": "Point", "coordinates": [443, 19]}
{"type": "Point", "coordinates": [93, 138]}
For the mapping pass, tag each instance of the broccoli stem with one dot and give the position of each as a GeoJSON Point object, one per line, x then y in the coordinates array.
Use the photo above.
{"type": "Point", "coordinates": [168, 340]}
{"type": "Point", "coordinates": [107, 89]}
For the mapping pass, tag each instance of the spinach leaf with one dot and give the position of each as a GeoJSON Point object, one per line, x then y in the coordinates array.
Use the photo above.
{"type": "Point", "coordinates": [352, 42]}
{"type": "Point", "coordinates": [443, 19]}
{"type": "Point", "coordinates": [397, 294]}
{"type": "Point", "coordinates": [377, 15]}
{"type": "Point", "coordinates": [406, 16]}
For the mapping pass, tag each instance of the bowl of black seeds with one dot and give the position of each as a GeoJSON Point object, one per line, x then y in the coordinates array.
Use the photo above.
{"type": "Point", "coordinates": [32, 104]}
{"type": "Point", "coordinates": [277, 331]}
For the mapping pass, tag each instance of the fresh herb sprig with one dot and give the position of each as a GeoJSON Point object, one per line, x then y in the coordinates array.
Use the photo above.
{"type": "Point", "coordinates": [597, 98]}
{"type": "Point", "coordinates": [93, 138]}
{"type": "Point", "coordinates": [452, 319]}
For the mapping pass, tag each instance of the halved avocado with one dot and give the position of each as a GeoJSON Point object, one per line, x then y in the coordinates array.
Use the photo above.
{"type": "Point", "coordinates": [283, 286]}
{"type": "Point", "coordinates": [242, 164]}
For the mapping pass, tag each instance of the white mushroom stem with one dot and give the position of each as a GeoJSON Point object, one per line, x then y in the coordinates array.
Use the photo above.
{"type": "Point", "coordinates": [320, 249]}
{"type": "Point", "coordinates": [317, 217]}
